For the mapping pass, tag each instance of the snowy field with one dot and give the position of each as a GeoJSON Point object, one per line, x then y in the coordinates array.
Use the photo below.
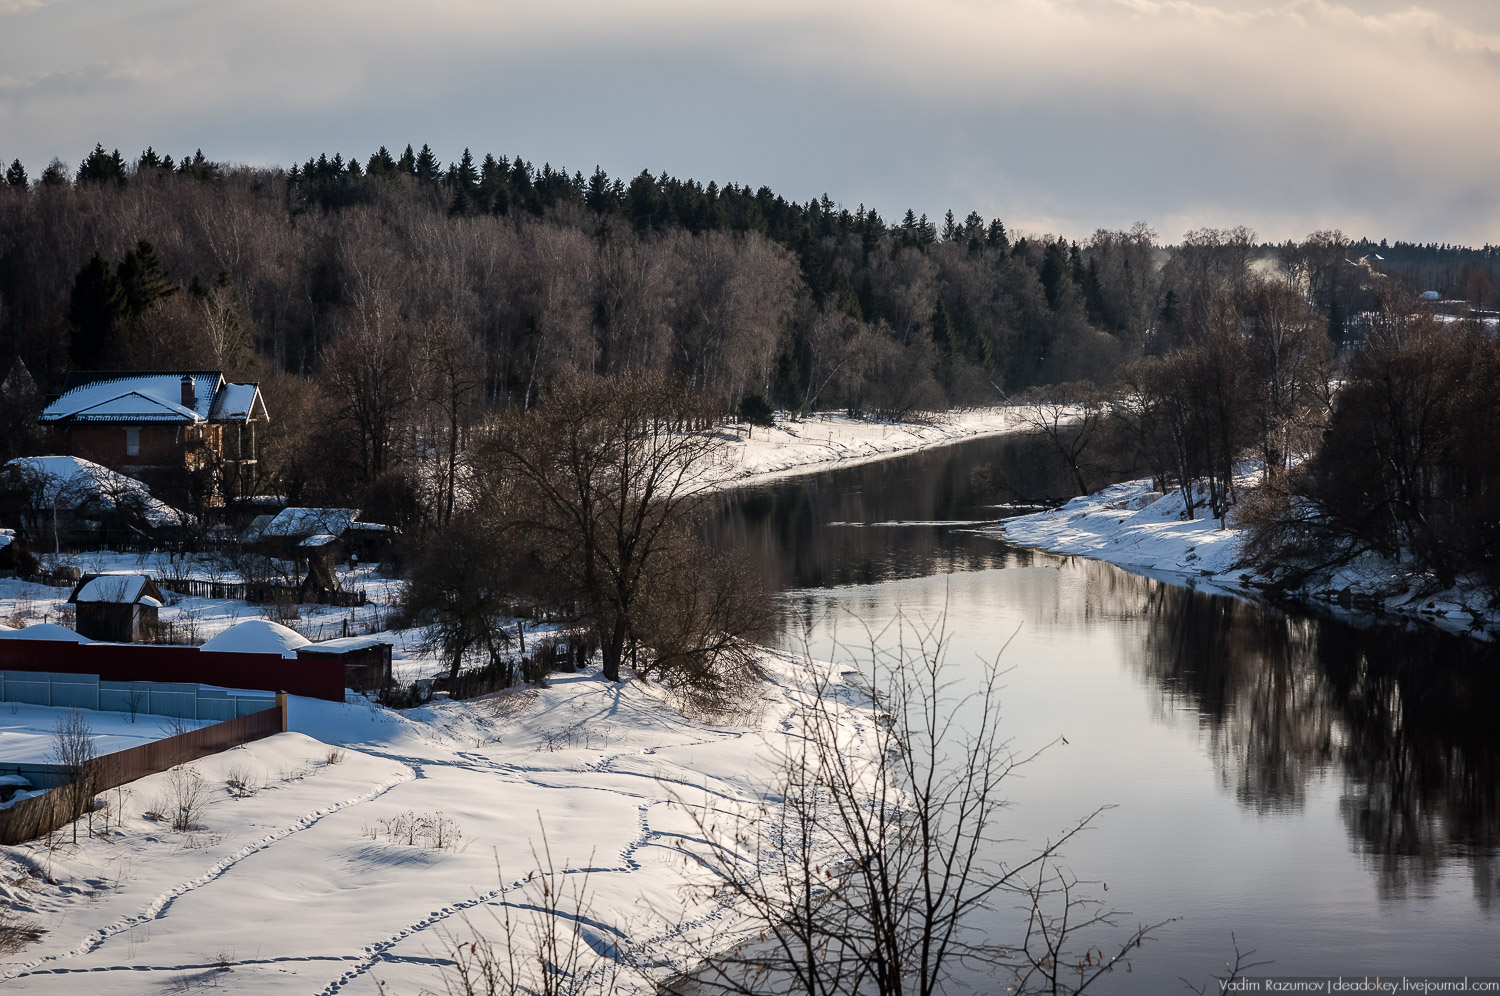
{"type": "Point", "coordinates": [1137, 528]}
{"type": "Point", "coordinates": [822, 442]}
{"type": "Point", "coordinates": [26, 731]}
{"type": "Point", "coordinates": [299, 886]}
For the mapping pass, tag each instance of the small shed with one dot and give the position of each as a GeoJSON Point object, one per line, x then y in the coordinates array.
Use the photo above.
{"type": "Point", "coordinates": [367, 660]}
{"type": "Point", "coordinates": [119, 608]}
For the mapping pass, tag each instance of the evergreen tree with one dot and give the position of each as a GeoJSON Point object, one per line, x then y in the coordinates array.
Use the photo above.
{"type": "Point", "coordinates": [428, 169]}
{"type": "Point", "coordinates": [1054, 269]}
{"type": "Point", "coordinates": [148, 161]}
{"type": "Point", "coordinates": [467, 176]}
{"type": "Point", "coordinates": [102, 167]}
{"type": "Point", "coordinates": [408, 162]}
{"type": "Point", "coordinates": [95, 308]}
{"type": "Point", "coordinates": [950, 227]}
{"type": "Point", "coordinates": [996, 238]}
{"type": "Point", "coordinates": [143, 280]}
{"type": "Point", "coordinates": [381, 164]}
{"type": "Point", "coordinates": [15, 176]}
{"type": "Point", "coordinates": [597, 195]}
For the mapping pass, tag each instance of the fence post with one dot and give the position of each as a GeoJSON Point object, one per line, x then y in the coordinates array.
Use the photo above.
{"type": "Point", "coordinates": [281, 707]}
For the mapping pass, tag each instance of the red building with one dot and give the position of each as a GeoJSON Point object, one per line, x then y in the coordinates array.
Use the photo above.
{"type": "Point", "coordinates": [180, 432]}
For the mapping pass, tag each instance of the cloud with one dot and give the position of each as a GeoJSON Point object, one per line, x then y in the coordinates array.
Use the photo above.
{"type": "Point", "coordinates": [1287, 115]}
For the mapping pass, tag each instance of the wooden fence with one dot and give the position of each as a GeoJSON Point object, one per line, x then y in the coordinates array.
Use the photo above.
{"type": "Point", "coordinates": [263, 592]}
{"type": "Point", "coordinates": [31, 818]}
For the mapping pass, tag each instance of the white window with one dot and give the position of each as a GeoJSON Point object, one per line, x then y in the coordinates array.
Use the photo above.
{"type": "Point", "coordinates": [132, 442]}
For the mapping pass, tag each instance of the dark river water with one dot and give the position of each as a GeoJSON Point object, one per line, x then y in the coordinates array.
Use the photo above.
{"type": "Point", "coordinates": [1327, 794]}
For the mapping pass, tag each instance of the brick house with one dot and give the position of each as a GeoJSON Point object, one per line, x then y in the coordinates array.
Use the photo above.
{"type": "Point", "coordinates": [178, 431]}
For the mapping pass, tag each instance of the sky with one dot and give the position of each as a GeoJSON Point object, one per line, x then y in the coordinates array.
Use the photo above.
{"type": "Point", "coordinates": [1375, 117]}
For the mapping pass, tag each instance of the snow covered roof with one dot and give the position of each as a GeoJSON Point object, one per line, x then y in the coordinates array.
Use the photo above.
{"type": "Point", "coordinates": [73, 481]}
{"type": "Point", "coordinates": [46, 631]}
{"type": "Point", "coordinates": [257, 636]}
{"type": "Point", "coordinates": [153, 397]}
{"type": "Point", "coordinates": [319, 539]}
{"type": "Point", "coordinates": [238, 402]}
{"type": "Point", "coordinates": [343, 645]}
{"type": "Point", "coordinates": [293, 523]}
{"type": "Point", "coordinates": [117, 588]}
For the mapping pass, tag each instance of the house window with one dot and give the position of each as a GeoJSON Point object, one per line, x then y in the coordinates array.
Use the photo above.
{"type": "Point", "coordinates": [132, 442]}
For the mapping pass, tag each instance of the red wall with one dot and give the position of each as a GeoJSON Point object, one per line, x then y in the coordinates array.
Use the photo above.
{"type": "Point", "coordinates": [138, 662]}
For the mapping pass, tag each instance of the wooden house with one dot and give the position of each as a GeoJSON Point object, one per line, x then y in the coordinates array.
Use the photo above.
{"type": "Point", "coordinates": [117, 608]}
{"type": "Point", "coordinates": [177, 430]}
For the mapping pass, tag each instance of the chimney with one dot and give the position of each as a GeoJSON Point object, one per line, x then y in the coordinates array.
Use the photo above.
{"type": "Point", "coordinates": [189, 395]}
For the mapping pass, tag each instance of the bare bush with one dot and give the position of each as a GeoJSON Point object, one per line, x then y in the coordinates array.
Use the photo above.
{"type": "Point", "coordinates": [863, 871]}
{"type": "Point", "coordinates": [242, 782]}
{"type": "Point", "coordinates": [186, 798]}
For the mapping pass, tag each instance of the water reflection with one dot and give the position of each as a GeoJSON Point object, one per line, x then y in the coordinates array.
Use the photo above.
{"type": "Point", "coordinates": [1398, 721]}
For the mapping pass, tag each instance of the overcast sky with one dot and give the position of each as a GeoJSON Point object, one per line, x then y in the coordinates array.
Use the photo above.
{"type": "Point", "coordinates": [1373, 116]}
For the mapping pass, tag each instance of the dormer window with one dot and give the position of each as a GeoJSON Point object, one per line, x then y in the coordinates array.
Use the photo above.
{"type": "Point", "coordinates": [132, 442]}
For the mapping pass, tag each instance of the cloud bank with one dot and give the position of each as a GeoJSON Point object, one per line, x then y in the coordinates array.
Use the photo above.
{"type": "Point", "coordinates": [1056, 115]}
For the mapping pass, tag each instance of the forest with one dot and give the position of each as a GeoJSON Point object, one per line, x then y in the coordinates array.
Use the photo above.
{"type": "Point", "coordinates": [389, 307]}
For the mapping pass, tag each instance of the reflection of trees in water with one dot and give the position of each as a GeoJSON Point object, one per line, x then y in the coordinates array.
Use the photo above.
{"type": "Point", "coordinates": [1404, 714]}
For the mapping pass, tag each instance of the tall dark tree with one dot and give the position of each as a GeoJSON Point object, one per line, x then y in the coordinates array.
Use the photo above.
{"type": "Point", "coordinates": [96, 308]}
{"type": "Point", "coordinates": [428, 169]}
{"type": "Point", "coordinates": [102, 167]}
{"type": "Point", "coordinates": [15, 176]}
{"type": "Point", "coordinates": [143, 279]}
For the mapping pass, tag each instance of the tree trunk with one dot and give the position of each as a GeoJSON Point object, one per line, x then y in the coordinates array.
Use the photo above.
{"type": "Point", "coordinates": [614, 650]}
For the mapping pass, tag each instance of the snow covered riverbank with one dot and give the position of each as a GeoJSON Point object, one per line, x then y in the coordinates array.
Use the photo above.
{"type": "Point", "coordinates": [316, 866]}
{"type": "Point", "coordinates": [1137, 528]}
{"type": "Point", "coordinates": [825, 441]}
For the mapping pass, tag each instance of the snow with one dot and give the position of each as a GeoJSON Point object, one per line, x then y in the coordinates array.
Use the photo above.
{"type": "Point", "coordinates": [302, 522]}
{"type": "Point", "coordinates": [141, 397]}
{"type": "Point", "coordinates": [27, 731]}
{"type": "Point", "coordinates": [822, 442]}
{"type": "Point", "coordinates": [344, 644]}
{"type": "Point", "coordinates": [46, 631]}
{"type": "Point", "coordinates": [115, 588]}
{"type": "Point", "coordinates": [258, 636]}
{"type": "Point", "coordinates": [237, 401]}
{"type": "Point", "coordinates": [70, 481]}
{"type": "Point", "coordinates": [1134, 527]}
{"type": "Point", "coordinates": [302, 892]}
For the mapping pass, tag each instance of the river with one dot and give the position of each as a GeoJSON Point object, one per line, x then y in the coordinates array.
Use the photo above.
{"type": "Point", "coordinates": [1326, 793]}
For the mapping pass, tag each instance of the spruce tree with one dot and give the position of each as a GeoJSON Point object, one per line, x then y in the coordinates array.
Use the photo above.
{"type": "Point", "coordinates": [467, 175]}
{"type": "Point", "coordinates": [95, 308]}
{"type": "Point", "coordinates": [950, 227]}
{"type": "Point", "coordinates": [996, 238]}
{"type": "Point", "coordinates": [102, 167]}
{"type": "Point", "coordinates": [381, 164]}
{"type": "Point", "coordinates": [15, 176]}
{"type": "Point", "coordinates": [407, 164]}
{"type": "Point", "coordinates": [143, 279]}
{"type": "Point", "coordinates": [428, 169]}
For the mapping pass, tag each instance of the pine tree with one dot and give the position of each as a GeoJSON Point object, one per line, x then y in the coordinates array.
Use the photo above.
{"type": "Point", "coordinates": [102, 167]}
{"type": "Point", "coordinates": [597, 195]}
{"type": "Point", "coordinates": [95, 309]}
{"type": "Point", "coordinates": [148, 161]}
{"type": "Point", "coordinates": [950, 227]}
{"type": "Point", "coordinates": [1054, 270]}
{"type": "Point", "coordinates": [467, 176]}
{"type": "Point", "coordinates": [15, 176]}
{"type": "Point", "coordinates": [408, 162]}
{"type": "Point", "coordinates": [428, 169]}
{"type": "Point", "coordinates": [381, 164]}
{"type": "Point", "coordinates": [996, 238]}
{"type": "Point", "coordinates": [143, 279]}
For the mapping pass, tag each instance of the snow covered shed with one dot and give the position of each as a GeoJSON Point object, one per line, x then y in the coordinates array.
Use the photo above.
{"type": "Point", "coordinates": [118, 608]}
{"type": "Point", "coordinates": [366, 660]}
